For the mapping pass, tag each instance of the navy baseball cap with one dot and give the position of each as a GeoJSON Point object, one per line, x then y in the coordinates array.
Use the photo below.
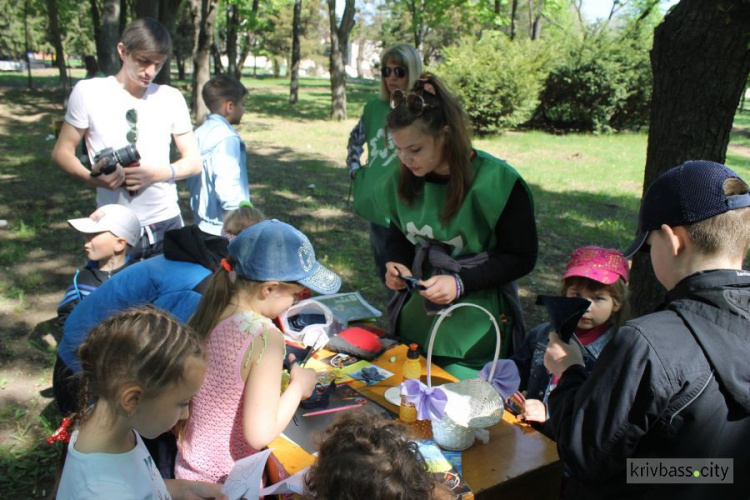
{"type": "Point", "coordinates": [689, 193]}
{"type": "Point", "coordinates": [275, 251]}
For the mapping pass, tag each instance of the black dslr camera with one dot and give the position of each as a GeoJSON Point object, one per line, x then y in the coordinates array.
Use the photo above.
{"type": "Point", "coordinates": [125, 156]}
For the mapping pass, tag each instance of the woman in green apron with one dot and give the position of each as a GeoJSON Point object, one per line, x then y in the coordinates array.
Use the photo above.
{"type": "Point", "coordinates": [461, 225]}
{"type": "Point", "coordinates": [400, 66]}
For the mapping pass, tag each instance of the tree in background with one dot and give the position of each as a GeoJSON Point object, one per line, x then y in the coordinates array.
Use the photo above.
{"type": "Point", "coordinates": [700, 63]}
{"type": "Point", "coordinates": [338, 56]}
{"type": "Point", "coordinates": [204, 17]}
{"type": "Point", "coordinates": [56, 38]}
{"type": "Point", "coordinates": [294, 67]}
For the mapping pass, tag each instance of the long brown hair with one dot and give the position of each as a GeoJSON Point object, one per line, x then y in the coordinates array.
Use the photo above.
{"type": "Point", "coordinates": [217, 298]}
{"type": "Point", "coordinates": [442, 109]}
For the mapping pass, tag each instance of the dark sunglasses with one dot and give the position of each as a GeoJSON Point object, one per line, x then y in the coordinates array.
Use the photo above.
{"type": "Point", "coordinates": [131, 116]}
{"type": "Point", "coordinates": [414, 102]}
{"type": "Point", "coordinates": [399, 71]}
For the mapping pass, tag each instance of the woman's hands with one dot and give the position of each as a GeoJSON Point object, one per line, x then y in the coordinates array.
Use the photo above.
{"type": "Point", "coordinates": [440, 289]}
{"type": "Point", "coordinates": [392, 279]}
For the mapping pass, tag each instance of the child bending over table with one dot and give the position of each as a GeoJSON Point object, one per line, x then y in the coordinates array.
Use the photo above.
{"type": "Point", "coordinates": [365, 456]}
{"type": "Point", "coordinates": [240, 408]}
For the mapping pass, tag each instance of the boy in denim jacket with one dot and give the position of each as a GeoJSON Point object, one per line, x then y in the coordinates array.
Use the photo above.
{"type": "Point", "coordinates": [222, 184]}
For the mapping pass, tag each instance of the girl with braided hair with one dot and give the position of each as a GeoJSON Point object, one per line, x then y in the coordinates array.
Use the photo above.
{"type": "Point", "coordinates": [140, 368]}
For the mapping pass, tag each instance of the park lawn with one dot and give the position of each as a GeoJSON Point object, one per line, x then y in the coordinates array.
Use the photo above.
{"type": "Point", "coordinates": [586, 190]}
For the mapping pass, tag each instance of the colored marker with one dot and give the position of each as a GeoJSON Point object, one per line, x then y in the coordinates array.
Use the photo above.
{"type": "Point", "coordinates": [333, 410]}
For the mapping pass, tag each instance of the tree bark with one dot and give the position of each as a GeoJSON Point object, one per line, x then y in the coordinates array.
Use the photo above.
{"type": "Point", "coordinates": [97, 23]}
{"type": "Point", "coordinates": [513, 14]}
{"type": "Point", "coordinates": [147, 8]}
{"type": "Point", "coordinates": [204, 19]}
{"type": "Point", "coordinates": [700, 64]}
{"type": "Point", "coordinates": [109, 60]}
{"type": "Point", "coordinates": [339, 41]}
{"type": "Point", "coordinates": [123, 14]}
{"type": "Point", "coordinates": [294, 66]}
{"type": "Point", "coordinates": [216, 56]}
{"type": "Point", "coordinates": [232, 24]}
{"type": "Point", "coordinates": [54, 28]}
{"type": "Point", "coordinates": [361, 56]}
{"type": "Point", "coordinates": [168, 11]}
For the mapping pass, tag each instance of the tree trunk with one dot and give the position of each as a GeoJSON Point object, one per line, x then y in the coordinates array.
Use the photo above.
{"type": "Point", "coordinates": [513, 14]}
{"type": "Point", "coordinates": [180, 62]}
{"type": "Point", "coordinates": [243, 55]}
{"type": "Point", "coordinates": [54, 29]}
{"type": "Point", "coordinates": [232, 24]}
{"type": "Point", "coordinates": [123, 15]}
{"type": "Point", "coordinates": [700, 64]}
{"type": "Point", "coordinates": [536, 30]}
{"type": "Point", "coordinates": [339, 40]}
{"type": "Point", "coordinates": [97, 23]}
{"type": "Point", "coordinates": [294, 66]}
{"type": "Point", "coordinates": [360, 56]}
{"type": "Point", "coordinates": [147, 8]}
{"type": "Point", "coordinates": [216, 56]}
{"type": "Point", "coordinates": [204, 19]}
{"type": "Point", "coordinates": [27, 48]}
{"type": "Point", "coordinates": [168, 11]}
{"type": "Point", "coordinates": [109, 60]}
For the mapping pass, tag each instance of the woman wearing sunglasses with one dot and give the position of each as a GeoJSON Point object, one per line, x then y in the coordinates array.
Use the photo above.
{"type": "Point", "coordinates": [400, 66]}
{"type": "Point", "coordinates": [462, 222]}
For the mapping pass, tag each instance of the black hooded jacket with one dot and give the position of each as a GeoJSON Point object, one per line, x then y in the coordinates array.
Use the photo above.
{"type": "Point", "coordinates": [672, 384]}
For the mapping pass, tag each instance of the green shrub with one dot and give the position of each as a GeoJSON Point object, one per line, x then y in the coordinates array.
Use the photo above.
{"type": "Point", "coordinates": [597, 88]}
{"type": "Point", "coordinates": [497, 81]}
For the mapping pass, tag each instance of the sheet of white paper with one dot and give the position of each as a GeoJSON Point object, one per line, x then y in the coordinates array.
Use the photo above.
{"type": "Point", "coordinates": [293, 484]}
{"type": "Point", "coordinates": [244, 480]}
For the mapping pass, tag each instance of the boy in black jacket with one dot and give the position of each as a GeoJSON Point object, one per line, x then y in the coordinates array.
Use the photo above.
{"type": "Point", "coordinates": [674, 384]}
{"type": "Point", "coordinates": [111, 231]}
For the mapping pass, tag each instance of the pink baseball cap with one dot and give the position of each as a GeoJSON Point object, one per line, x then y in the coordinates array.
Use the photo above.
{"type": "Point", "coordinates": [604, 265]}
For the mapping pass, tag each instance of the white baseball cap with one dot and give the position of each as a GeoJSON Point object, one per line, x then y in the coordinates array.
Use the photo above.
{"type": "Point", "coordinates": [117, 219]}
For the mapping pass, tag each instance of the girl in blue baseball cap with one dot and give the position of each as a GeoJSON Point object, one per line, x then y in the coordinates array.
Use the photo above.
{"type": "Point", "coordinates": [240, 408]}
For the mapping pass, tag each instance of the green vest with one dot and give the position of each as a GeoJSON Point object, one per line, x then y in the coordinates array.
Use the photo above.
{"type": "Point", "coordinates": [381, 160]}
{"type": "Point", "coordinates": [468, 333]}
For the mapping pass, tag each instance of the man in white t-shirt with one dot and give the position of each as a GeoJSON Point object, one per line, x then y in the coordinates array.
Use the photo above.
{"type": "Point", "coordinates": [128, 108]}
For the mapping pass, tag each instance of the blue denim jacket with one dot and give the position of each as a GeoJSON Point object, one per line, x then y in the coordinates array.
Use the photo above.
{"type": "Point", "coordinates": [529, 359]}
{"type": "Point", "coordinates": [222, 184]}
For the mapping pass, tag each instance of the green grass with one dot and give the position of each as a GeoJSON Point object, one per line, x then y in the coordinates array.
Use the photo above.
{"type": "Point", "coordinates": [586, 190]}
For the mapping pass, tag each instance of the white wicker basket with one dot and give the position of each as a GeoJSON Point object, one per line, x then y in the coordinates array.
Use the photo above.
{"type": "Point", "coordinates": [473, 403]}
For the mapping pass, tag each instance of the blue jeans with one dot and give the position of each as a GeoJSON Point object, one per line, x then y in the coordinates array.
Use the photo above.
{"type": "Point", "coordinates": [151, 242]}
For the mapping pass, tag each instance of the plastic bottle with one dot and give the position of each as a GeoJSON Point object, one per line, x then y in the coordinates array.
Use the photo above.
{"type": "Point", "coordinates": [412, 369]}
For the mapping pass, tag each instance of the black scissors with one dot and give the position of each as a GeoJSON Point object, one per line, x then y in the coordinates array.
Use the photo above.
{"type": "Point", "coordinates": [412, 283]}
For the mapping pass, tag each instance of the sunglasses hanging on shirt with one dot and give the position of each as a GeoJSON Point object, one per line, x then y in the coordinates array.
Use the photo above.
{"type": "Point", "coordinates": [131, 116]}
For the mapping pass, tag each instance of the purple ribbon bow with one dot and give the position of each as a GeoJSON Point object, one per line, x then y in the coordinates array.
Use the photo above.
{"type": "Point", "coordinates": [429, 401]}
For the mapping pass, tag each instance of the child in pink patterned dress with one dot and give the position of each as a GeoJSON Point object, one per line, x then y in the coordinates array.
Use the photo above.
{"type": "Point", "coordinates": [240, 408]}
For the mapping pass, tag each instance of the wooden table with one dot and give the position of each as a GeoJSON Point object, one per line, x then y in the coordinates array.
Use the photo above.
{"type": "Point", "coordinates": [518, 462]}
